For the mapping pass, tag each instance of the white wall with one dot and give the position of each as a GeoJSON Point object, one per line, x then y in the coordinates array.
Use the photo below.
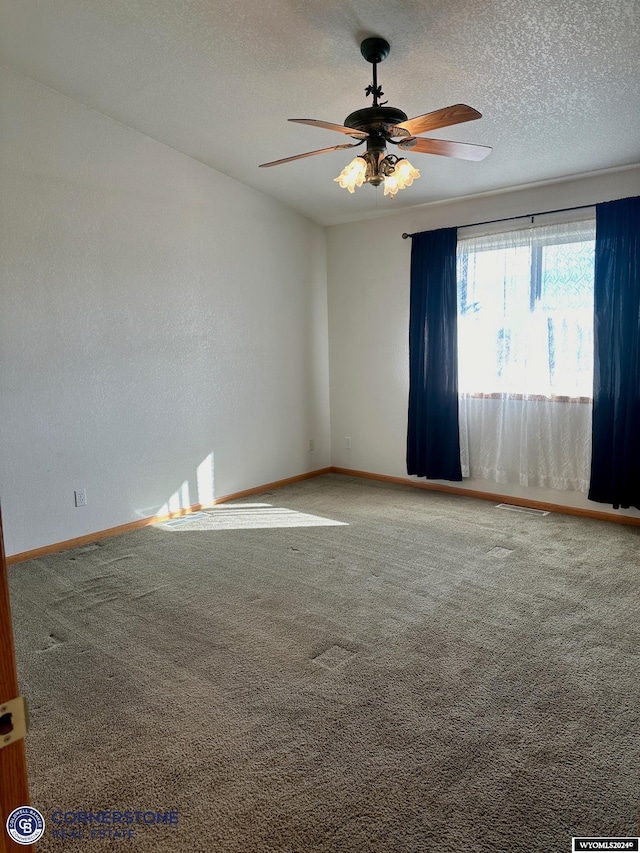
{"type": "Point", "coordinates": [368, 279]}
{"type": "Point", "coordinates": [157, 320]}
{"type": "Point", "coordinates": [163, 329]}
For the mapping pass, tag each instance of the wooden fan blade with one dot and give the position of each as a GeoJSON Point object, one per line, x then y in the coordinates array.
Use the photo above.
{"type": "Point", "coordinates": [439, 118]}
{"type": "Point", "coordinates": [340, 128]}
{"type": "Point", "coordinates": [461, 150]}
{"type": "Point", "coordinates": [310, 154]}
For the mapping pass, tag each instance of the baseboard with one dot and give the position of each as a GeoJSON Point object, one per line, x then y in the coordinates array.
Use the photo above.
{"type": "Point", "coordinates": [56, 547]}
{"type": "Point", "coordinates": [491, 496]}
{"type": "Point", "coordinates": [278, 484]}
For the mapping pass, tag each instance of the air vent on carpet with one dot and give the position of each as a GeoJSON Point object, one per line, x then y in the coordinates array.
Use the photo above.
{"type": "Point", "coordinates": [526, 509]}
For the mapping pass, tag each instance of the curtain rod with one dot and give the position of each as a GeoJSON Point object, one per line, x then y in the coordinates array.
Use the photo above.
{"type": "Point", "coordinates": [511, 218]}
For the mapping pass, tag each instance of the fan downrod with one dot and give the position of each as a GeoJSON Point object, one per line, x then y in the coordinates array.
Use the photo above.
{"type": "Point", "coordinates": [375, 49]}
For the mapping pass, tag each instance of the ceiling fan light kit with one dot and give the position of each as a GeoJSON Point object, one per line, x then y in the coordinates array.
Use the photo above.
{"type": "Point", "coordinates": [395, 172]}
{"type": "Point", "coordinates": [380, 125]}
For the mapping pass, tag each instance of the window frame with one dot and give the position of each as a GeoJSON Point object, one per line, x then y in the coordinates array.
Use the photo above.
{"type": "Point", "coordinates": [535, 286]}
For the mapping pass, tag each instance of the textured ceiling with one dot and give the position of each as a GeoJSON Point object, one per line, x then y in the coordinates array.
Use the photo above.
{"type": "Point", "coordinates": [558, 83]}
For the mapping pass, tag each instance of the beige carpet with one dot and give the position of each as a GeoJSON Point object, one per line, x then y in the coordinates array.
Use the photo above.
{"type": "Point", "coordinates": [429, 674]}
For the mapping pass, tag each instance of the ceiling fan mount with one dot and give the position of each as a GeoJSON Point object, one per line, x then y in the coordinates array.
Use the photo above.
{"type": "Point", "coordinates": [380, 125]}
{"type": "Point", "coordinates": [375, 49]}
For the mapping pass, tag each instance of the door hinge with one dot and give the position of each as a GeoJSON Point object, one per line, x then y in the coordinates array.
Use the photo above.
{"type": "Point", "coordinates": [14, 720]}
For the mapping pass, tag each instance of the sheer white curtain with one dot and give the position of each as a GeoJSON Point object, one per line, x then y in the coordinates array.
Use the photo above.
{"type": "Point", "coordinates": [525, 350]}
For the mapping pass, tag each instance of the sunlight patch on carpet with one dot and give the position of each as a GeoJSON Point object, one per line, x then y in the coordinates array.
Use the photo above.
{"type": "Point", "coordinates": [247, 517]}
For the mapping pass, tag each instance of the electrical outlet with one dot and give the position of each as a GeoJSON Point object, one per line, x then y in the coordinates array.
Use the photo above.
{"type": "Point", "coordinates": [347, 443]}
{"type": "Point", "coordinates": [81, 497]}
{"type": "Point", "coordinates": [312, 444]}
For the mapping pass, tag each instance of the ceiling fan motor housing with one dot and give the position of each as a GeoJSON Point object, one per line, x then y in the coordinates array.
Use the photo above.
{"type": "Point", "coordinates": [375, 120]}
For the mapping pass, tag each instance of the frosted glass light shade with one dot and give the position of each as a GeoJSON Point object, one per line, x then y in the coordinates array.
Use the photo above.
{"type": "Point", "coordinates": [353, 175]}
{"type": "Point", "coordinates": [405, 173]}
{"type": "Point", "coordinates": [391, 185]}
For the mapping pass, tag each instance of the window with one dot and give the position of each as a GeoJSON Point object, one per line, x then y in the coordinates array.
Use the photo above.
{"type": "Point", "coordinates": [525, 312]}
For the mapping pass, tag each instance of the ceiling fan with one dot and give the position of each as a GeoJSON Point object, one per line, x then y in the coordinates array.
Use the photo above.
{"type": "Point", "coordinates": [379, 125]}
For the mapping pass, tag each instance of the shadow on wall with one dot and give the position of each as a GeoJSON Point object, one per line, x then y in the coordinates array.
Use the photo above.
{"type": "Point", "coordinates": [205, 493]}
{"type": "Point", "coordinates": [191, 494]}
{"type": "Point", "coordinates": [185, 509]}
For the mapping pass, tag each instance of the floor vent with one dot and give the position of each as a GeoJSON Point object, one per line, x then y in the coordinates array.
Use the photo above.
{"type": "Point", "coordinates": [526, 509]}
